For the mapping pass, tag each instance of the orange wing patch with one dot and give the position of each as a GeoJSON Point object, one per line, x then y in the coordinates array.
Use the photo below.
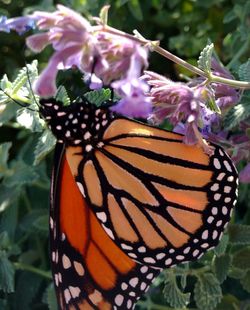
{"type": "Point", "coordinates": [160, 203]}
{"type": "Point", "coordinates": [89, 269]}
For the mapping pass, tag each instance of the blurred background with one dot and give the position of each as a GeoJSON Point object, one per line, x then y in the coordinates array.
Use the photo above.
{"type": "Point", "coordinates": [221, 279]}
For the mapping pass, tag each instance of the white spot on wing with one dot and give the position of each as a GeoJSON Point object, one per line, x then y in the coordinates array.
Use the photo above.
{"type": "Point", "coordinates": [119, 299]}
{"type": "Point", "coordinates": [66, 262]}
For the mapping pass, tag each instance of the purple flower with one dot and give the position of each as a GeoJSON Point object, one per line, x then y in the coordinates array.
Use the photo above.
{"type": "Point", "coordinates": [244, 175]}
{"type": "Point", "coordinates": [134, 102]}
{"type": "Point", "coordinates": [225, 95]}
{"type": "Point", "coordinates": [105, 57]}
{"type": "Point", "coordinates": [118, 52]}
{"type": "Point", "coordinates": [19, 24]}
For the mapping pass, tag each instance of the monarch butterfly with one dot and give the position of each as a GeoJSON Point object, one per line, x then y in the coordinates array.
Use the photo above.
{"type": "Point", "coordinates": [128, 200]}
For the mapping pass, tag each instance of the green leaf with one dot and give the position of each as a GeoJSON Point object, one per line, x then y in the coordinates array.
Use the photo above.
{"type": "Point", "coordinates": [97, 97]}
{"type": "Point", "coordinates": [27, 223]}
{"type": "Point", "coordinates": [135, 9]}
{"type": "Point", "coordinates": [229, 302]}
{"type": "Point", "coordinates": [21, 174]}
{"type": "Point", "coordinates": [236, 273]}
{"type": "Point", "coordinates": [41, 223]}
{"type": "Point", "coordinates": [8, 111]}
{"type": "Point", "coordinates": [241, 259]}
{"type": "Point", "coordinates": [207, 292]}
{"type": "Point", "coordinates": [4, 241]}
{"type": "Point", "coordinates": [174, 296]}
{"type": "Point", "coordinates": [4, 155]}
{"type": "Point", "coordinates": [50, 297]}
{"type": "Point", "coordinates": [62, 96]}
{"type": "Point", "coordinates": [7, 273]}
{"type": "Point", "coordinates": [27, 288]}
{"type": "Point", "coordinates": [204, 61]}
{"type": "Point", "coordinates": [238, 113]}
{"type": "Point", "coordinates": [221, 265]}
{"type": "Point", "coordinates": [30, 72]}
{"type": "Point", "coordinates": [244, 71]}
{"type": "Point", "coordinates": [104, 14]}
{"type": "Point", "coordinates": [245, 282]}
{"type": "Point", "coordinates": [222, 246]}
{"type": "Point", "coordinates": [44, 146]}
{"type": "Point", "coordinates": [5, 83]}
{"type": "Point", "coordinates": [9, 219]}
{"type": "Point", "coordinates": [30, 119]}
{"type": "Point", "coordinates": [239, 234]}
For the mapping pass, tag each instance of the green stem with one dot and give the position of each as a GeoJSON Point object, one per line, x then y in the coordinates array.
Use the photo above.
{"type": "Point", "coordinates": [233, 83]}
{"type": "Point", "coordinates": [45, 274]}
{"type": "Point", "coordinates": [158, 49]}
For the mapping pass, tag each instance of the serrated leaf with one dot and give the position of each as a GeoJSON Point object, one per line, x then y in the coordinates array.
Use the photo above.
{"type": "Point", "coordinates": [30, 119]}
{"type": "Point", "coordinates": [239, 234]}
{"type": "Point", "coordinates": [244, 71]}
{"type": "Point", "coordinates": [5, 83]}
{"type": "Point", "coordinates": [207, 292]}
{"type": "Point", "coordinates": [204, 61]}
{"type": "Point", "coordinates": [237, 114]}
{"type": "Point", "coordinates": [220, 249]}
{"type": "Point", "coordinates": [4, 155]}
{"type": "Point", "coordinates": [97, 97]}
{"type": "Point", "coordinates": [44, 146]}
{"type": "Point", "coordinates": [245, 282]}
{"type": "Point", "coordinates": [30, 72]}
{"type": "Point", "coordinates": [241, 259]}
{"type": "Point", "coordinates": [174, 296]}
{"type": "Point", "coordinates": [50, 298]}
{"type": "Point", "coordinates": [21, 174]}
{"type": "Point", "coordinates": [221, 265]}
{"type": "Point", "coordinates": [7, 273]}
{"type": "Point", "coordinates": [62, 96]}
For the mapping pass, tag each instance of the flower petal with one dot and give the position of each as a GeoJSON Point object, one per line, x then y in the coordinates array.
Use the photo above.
{"type": "Point", "coordinates": [38, 42]}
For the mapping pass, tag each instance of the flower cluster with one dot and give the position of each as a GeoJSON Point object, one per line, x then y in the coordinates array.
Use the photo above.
{"type": "Point", "coordinates": [188, 107]}
{"type": "Point", "coordinates": [110, 59]}
{"type": "Point", "coordinates": [103, 57]}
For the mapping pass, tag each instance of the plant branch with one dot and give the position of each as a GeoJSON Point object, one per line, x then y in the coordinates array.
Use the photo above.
{"type": "Point", "coordinates": [158, 49]}
{"type": "Point", "coordinates": [45, 274]}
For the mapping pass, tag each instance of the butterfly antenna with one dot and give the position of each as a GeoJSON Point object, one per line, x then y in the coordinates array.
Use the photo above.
{"type": "Point", "coordinates": [29, 81]}
{"type": "Point", "coordinates": [20, 104]}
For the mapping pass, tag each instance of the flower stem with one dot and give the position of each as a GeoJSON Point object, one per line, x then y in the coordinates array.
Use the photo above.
{"type": "Point", "coordinates": [45, 274]}
{"type": "Point", "coordinates": [158, 49]}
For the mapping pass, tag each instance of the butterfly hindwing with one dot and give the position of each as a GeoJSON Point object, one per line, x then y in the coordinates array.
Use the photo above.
{"type": "Point", "coordinates": [90, 271]}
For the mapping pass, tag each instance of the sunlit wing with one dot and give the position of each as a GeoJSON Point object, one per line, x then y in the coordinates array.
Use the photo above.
{"type": "Point", "coordinates": [89, 270]}
{"type": "Point", "coordinates": [161, 201]}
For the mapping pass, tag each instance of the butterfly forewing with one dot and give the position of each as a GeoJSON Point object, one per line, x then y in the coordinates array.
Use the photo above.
{"type": "Point", "coordinates": [162, 202]}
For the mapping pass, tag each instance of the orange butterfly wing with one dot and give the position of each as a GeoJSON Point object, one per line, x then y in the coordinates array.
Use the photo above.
{"type": "Point", "coordinates": [161, 201]}
{"type": "Point", "coordinates": [89, 270]}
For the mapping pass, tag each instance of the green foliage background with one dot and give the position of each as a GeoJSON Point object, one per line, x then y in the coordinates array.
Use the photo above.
{"type": "Point", "coordinates": [221, 279]}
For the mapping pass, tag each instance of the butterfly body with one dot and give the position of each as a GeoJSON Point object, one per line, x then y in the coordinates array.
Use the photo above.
{"type": "Point", "coordinates": [156, 201]}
